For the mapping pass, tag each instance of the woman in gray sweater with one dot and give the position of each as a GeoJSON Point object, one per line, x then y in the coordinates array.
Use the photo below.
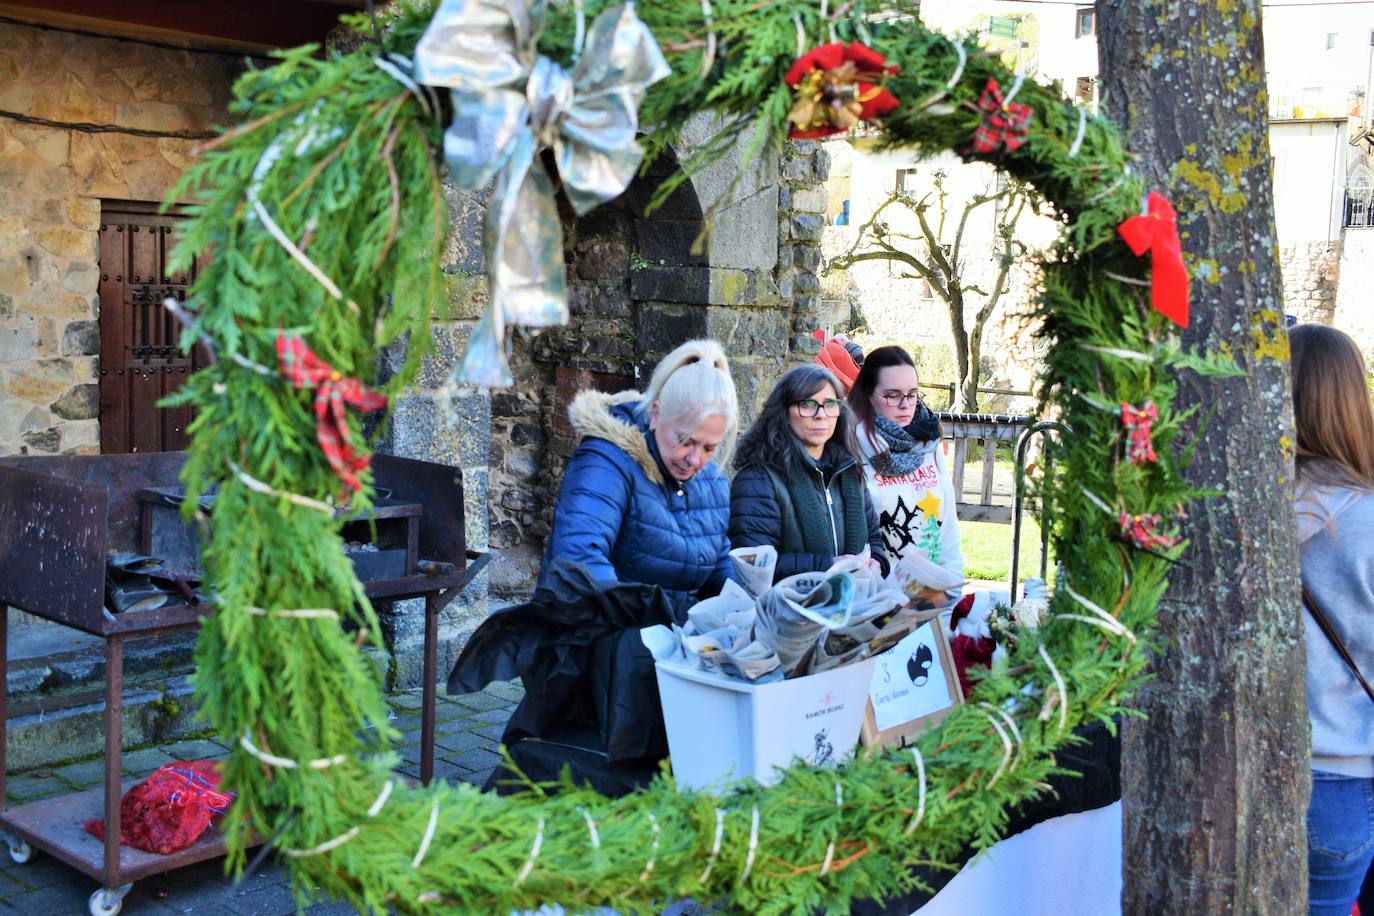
{"type": "Point", "coordinates": [1335, 507]}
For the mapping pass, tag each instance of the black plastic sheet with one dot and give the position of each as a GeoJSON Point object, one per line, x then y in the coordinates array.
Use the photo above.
{"type": "Point", "coordinates": [576, 647]}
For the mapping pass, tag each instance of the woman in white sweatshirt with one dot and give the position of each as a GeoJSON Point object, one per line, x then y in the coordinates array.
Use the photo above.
{"type": "Point", "coordinates": [1335, 514]}
{"type": "Point", "coordinates": [908, 483]}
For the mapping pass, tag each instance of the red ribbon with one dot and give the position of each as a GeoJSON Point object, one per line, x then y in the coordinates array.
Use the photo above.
{"type": "Point", "coordinates": [1142, 531]}
{"type": "Point", "coordinates": [1157, 232]}
{"type": "Point", "coordinates": [853, 64]}
{"type": "Point", "coordinates": [1137, 422]}
{"type": "Point", "coordinates": [1003, 125]}
{"type": "Point", "coordinates": [334, 394]}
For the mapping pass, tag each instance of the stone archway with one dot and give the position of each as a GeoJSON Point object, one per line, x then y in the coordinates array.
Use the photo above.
{"type": "Point", "coordinates": [636, 290]}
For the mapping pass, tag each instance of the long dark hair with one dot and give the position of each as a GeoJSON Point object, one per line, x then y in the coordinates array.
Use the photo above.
{"type": "Point", "coordinates": [861, 395]}
{"type": "Point", "coordinates": [1331, 408]}
{"type": "Point", "coordinates": [770, 441]}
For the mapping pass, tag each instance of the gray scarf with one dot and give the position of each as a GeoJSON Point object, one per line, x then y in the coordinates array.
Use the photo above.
{"type": "Point", "coordinates": [907, 447]}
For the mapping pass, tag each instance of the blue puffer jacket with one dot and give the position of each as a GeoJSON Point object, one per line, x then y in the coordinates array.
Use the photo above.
{"type": "Point", "coordinates": [626, 519]}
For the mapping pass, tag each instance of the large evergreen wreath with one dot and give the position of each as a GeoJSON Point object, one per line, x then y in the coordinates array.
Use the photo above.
{"type": "Point", "coordinates": [326, 219]}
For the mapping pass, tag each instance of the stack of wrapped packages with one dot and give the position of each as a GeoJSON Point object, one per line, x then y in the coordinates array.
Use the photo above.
{"type": "Point", "coordinates": [769, 673]}
{"type": "Point", "coordinates": [758, 631]}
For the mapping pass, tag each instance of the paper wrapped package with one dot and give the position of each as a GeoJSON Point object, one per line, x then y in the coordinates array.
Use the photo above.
{"type": "Point", "coordinates": [754, 567]}
{"type": "Point", "coordinates": [914, 573]}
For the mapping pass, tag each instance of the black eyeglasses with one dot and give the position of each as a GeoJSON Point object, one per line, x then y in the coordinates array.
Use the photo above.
{"type": "Point", "coordinates": [812, 408]}
{"type": "Point", "coordinates": [897, 399]}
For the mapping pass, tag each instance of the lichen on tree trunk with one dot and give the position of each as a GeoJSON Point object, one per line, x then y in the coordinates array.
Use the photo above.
{"type": "Point", "coordinates": [1216, 782]}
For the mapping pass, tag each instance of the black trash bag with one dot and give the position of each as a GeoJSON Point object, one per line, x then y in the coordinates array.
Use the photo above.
{"type": "Point", "coordinates": [576, 647]}
{"type": "Point", "coordinates": [625, 694]}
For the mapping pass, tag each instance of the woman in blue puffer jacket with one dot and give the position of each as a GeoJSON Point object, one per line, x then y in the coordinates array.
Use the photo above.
{"type": "Point", "coordinates": [643, 500]}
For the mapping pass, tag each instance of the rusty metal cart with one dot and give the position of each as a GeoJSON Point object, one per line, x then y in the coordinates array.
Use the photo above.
{"type": "Point", "coordinates": [59, 519]}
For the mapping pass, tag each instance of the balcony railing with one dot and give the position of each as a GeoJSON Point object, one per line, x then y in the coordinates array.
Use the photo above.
{"type": "Point", "coordinates": [1358, 209]}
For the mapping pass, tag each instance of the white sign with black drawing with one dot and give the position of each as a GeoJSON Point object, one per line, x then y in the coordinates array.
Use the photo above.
{"type": "Point", "coordinates": [914, 686]}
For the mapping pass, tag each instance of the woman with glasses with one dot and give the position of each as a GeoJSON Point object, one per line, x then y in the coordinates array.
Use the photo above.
{"type": "Point", "coordinates": [899, 439]}
{"type": "Point", "coordinates": [799, 486]}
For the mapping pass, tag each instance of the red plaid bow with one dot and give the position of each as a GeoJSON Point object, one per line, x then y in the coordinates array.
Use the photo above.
{"type": "Point", "coordinates": [1157, 232]}
{"type": "Point", "coordinates": [1137, 421]}
{"type": "Point", "coordinates": [1003, 125]}
{"type": "Point", "coordinates": [334, 393]}
{"type": "Point", "coordinates": [1142, 531]}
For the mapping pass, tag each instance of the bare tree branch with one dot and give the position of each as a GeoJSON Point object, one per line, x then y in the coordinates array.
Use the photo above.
{"type": "Point", "coordinates": [925, 256]}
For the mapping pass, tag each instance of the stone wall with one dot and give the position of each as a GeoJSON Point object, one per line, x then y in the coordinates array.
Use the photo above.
{"type": "Point", "coordinates": [802, 206]}
{"type": "Point", "coordinates": [1311, 276]}
{"type": "Point", "coordinates": [637, 289]}
{"type": "Point", "coordinates": [82, 120]}
{"type": "Point", "coordinates": [1354, 311]}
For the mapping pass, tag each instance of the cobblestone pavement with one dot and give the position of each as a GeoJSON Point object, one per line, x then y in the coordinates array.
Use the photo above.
{"type": "Point", "coordinates": [469, 730]}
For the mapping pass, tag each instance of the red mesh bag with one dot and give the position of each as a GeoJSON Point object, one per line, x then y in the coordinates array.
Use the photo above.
{"type": "Point", "coordinates": [169, 810]}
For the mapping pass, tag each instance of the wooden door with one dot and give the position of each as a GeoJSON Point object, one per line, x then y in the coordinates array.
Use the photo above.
{"type": "Point", "coordinates": [140, 362]}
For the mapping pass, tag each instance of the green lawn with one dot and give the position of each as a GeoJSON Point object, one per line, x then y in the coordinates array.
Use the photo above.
{"type": "Point", "coordinates": [987, 550]}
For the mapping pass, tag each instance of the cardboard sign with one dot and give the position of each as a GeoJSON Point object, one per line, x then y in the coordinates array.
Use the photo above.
{"type": "Point", "coordinates": [914, 686]}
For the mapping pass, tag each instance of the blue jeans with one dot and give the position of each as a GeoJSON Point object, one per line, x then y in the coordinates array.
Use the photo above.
{"type": "Point", "coordinates": [1340, 841]}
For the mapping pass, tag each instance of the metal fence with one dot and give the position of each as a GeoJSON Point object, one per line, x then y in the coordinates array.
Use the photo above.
{"type": "Point", "coordinates": [1358, 211]}
{"type": "Point", "coordinates": [949, 389]}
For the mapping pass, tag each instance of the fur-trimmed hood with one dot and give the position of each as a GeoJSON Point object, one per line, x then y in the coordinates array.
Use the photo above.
{"type": "Point", "coordinates": [611, 417]}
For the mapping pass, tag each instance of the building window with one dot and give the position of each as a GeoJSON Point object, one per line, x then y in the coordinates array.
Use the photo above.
{"type": "Point", "coordinates": [906, 181]}
{"type": "Point", "coordinates": [1085, 23]}
{"type": "Point", "coordinates": [1359, 206]}
{"type": "Point", "coordinates": [1330, 41]}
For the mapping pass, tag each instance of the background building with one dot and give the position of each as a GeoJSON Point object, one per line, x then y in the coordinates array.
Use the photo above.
{"type": "Point", "coordinates": [1321, 61]}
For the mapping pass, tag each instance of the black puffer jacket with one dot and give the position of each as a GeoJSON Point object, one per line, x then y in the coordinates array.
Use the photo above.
{"type": "Point", "coordinates": [807, 541]}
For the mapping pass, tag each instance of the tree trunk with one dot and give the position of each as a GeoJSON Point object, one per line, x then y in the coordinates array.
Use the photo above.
{"type": "Point", "coordinates": [961, 399]}
{"type": "Point", "coordinates": [974, 348]}
{"type": "Point", "coordinates": [1216, 782]}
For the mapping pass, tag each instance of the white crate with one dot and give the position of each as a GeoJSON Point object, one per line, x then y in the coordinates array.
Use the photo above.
{"type": "Point", "coordinates": [720, 728]}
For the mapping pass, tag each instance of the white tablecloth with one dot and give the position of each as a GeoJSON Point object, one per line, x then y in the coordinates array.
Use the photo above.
{"type": "Point", "coordinates": [1066, 866]}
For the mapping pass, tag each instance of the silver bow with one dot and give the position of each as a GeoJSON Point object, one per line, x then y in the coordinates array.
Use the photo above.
{"type": "Point", "coordinates": [509, 103]}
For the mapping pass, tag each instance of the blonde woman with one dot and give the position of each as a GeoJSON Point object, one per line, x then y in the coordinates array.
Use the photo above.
{"type": "Point", "coordinates": [644, 499]}
{"type": "Point", "coordinates": [1335, 510]}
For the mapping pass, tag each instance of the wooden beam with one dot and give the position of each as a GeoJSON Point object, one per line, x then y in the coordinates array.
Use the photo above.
{"type": "Point", "coordinates": [247, 25]}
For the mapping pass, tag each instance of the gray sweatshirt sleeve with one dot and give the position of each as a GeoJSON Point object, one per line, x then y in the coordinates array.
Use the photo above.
{"type": "Point", "coordinates": [1336, 554]}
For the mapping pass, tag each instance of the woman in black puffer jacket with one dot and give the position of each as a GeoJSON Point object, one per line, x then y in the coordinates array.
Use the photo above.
{"type": "Point", "coordinates": [799, 485]}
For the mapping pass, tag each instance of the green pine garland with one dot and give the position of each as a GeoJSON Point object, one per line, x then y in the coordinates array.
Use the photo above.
{"type": "Point", "coordinates": [350, 176]}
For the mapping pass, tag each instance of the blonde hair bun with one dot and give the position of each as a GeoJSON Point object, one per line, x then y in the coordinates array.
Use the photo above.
{"type": "Point", "coordinates": [691, 384]}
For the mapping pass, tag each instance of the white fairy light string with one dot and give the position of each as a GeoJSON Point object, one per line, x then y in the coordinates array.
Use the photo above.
{"type": "Point", "coordinates": [715, 846]}
{"type": "Point", "coordinates": [830, 847]}
{"type": "Point", "coordinates": [1082, 131]}
{"type": "Point", "coordinates": [653, 849]}
{"type": "Point", "coordinates": [305, 613]}
{"type": "Point", "coordinates": [534, 854]}
{"type": "Point", "coordinates": [428, 837]}
{"type": "Point", "coordinates": [1006, 748]}
{"type": "Point", "coordinates": [591, 828]}
{"type": "Point", "coordinates": [320, 763]}
{"type": "Point", "coordinates": [753, 846]}
{"type": "Point", "coordinates": [1059, 685]}
{"type": "Point", "coordinates": [921, 789]}
{"type": "Point", "coordinates": [257, 486]}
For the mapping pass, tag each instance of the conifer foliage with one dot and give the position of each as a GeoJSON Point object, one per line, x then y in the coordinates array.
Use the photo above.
{"type": "Point", "coordinates": [326, 220]}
